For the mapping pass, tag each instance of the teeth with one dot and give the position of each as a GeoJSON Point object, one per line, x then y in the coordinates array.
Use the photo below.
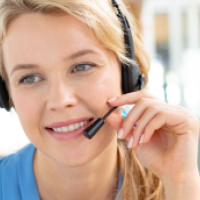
{"type": "Point", "coordinates": [64, 129]}
{"type": "Point", "coordinates": [77, 125]}
{"type": "Point", "coordinates": [71, 127]}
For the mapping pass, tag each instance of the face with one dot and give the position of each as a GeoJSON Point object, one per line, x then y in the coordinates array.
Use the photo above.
{"type": "Point", "coordinates": [51, 82]}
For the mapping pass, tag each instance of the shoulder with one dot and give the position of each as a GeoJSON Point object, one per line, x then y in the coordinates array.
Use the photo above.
{"type": "Point", "coordinates": [11, 160]}
{"type": "Point", "coordinates": [11, 168]}
{"type": "Point", "coordinates": [9, 164]}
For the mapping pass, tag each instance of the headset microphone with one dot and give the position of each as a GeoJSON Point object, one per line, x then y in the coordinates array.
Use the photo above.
{"type": "Point", "coordinates": [132, 80]}
{"type": "Point", "coordinates": [92, 129]}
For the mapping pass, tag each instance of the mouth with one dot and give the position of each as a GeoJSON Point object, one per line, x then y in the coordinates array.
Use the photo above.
{"type": "Point", "coordinates": [71, 127]}
{"type": "Point", "coordinates": [69, 132]}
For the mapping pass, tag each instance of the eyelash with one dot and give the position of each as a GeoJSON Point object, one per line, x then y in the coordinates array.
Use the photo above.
{"type": "Point", "coordinates": [21, 81]}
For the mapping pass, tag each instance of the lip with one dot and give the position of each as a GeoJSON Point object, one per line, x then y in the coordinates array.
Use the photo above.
{"type": "Point", "coordinates": [68, 135]}
{"type": "Point", "coordinates": [67, 123]}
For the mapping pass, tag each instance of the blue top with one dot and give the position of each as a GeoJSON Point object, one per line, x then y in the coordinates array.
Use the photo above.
{"type": "Point", "coordinates": [17, 179]}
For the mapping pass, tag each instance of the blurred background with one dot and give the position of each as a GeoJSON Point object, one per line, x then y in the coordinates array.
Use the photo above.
{"type": "Point", "coordinates": [170, 32]}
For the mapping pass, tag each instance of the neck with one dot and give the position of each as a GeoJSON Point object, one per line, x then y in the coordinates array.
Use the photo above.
{"type": "Point", "coordinates": [95, 180]}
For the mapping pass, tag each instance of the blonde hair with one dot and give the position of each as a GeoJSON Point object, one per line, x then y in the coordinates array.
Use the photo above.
{"type": "Point", "coordinates": [101, 18]}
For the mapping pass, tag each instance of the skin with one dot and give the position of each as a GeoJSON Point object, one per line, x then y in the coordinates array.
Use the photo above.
{"type": "Point", "coordinates": [169, 145]}
{"type": "Point", "coordinates": [60, 94]}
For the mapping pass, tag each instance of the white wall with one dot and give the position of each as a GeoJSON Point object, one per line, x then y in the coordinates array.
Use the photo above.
{"type": "Point", "coordinates": [12, 136]}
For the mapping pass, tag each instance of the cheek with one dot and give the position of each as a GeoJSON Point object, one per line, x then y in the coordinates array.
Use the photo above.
{"type": "Point", "coordinates": [28, 111]}
{"type": "Point", "coordinates": [102, 88]}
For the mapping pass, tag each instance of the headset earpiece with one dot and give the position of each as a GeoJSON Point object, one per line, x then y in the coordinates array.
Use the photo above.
{"type": "Point", "coordinates": [4, 96]}
{"type": "Point", "coordinates": [132, 80]}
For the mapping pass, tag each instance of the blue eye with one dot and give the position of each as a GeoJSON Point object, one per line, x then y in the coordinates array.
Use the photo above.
{"type": "Point", "coordinates": [32, 78]}
{"type": "Point", "coordinates": [82, 67]}
{"type": "Point", "coordinates": [28, 79]}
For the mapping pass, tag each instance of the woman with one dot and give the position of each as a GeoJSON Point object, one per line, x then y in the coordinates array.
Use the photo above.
{"type": "Point", "coordinates": [61, 62]}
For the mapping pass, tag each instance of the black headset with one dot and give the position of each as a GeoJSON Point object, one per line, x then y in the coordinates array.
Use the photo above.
{"type": "Point", "coordinates": [132, 80]}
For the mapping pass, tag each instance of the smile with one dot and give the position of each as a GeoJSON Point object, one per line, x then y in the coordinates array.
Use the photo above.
{"type": "Point", "coordinates": [70, 128]}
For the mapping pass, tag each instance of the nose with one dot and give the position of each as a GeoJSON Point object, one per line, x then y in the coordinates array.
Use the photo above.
{"type": "Point", "coordinates": [61, 95]}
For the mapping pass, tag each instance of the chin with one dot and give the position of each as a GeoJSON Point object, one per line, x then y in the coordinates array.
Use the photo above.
{"type": "Point", "coordinates": [83, 156]}
{"type": "Point", "coordinates": [78, 159]}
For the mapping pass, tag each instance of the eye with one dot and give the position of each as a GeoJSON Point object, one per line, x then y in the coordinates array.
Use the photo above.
{"type": "Point", "coordinates": [82, 67]}
{"type": "Point", "coordinates": [29, 79]}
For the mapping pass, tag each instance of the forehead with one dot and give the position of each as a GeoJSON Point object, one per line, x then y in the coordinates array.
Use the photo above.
{"type": "Point", "coordinates": [33, 37]}
{"type": "Point", "coordinates": [37, 26]}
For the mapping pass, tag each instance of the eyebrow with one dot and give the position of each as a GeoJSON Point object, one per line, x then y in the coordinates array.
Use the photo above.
{"type": "Point", "coordinates": [73, 56]}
